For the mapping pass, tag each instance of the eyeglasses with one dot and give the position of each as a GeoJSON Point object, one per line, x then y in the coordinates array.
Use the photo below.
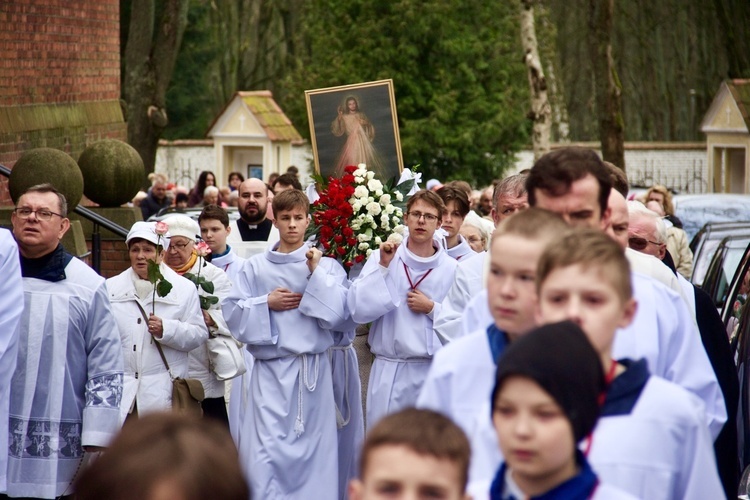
{"type": "Point", "coordinates": [178, 246]}
{"type": "Point", "coordinates": [45, 215]}
{"type": "Point", "coordinates": [415, 216]}
{"type": "Point", "coordinates": [637, 243]}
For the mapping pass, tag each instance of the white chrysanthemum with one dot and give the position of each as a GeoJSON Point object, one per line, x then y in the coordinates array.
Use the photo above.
{"type": "Point", "coordinates": [385, 199]}
{"type": "Point", "coordinates": [389, 209]}
{"type": "Point", "coordinates": [399, 196]}
{"type": "Point", "coordinates": [374, 185]}
{"type": "Point", "coordinates": [361, 192]}
{"type": "Point", "coordinates": [374, 225]}
{"type": "Point", "coordinates": [373, 208]}
{"type": "Point", "coordinates": [395, 220]}
{"type": "Point", "coordinates": [368, 219]}
{"type": "Point", "coordinates": [370, 175]}
{"type": "Point", "coordinates": [369, 252]}
{"type": "Point", "coordinates": [395, 238]}
{"type": "Point", "coordinates": [359, 179]}
{"type": "Point", "coordinates": [378, 240]}
{"type": "Point", "coordinates": [356, 206]}
{"type": "Point", "coordinates": [364, 246]}
{"type": "Point", "coordinates": [378, 192]}
{"type": "Point", "coordinates": [399, 229]}
{"type": "Point", "coordinates": [361, 237]}
{"type": "Point", "coordinates": [355, 225]}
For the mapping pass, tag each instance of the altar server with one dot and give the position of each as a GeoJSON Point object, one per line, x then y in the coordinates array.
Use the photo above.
{"type": "Point", "coordinates": [462, 375]}
{"type": "Point", "coordinates": [285, 306]}
{"type": "Point", "coordinates": [651, 439]}
{"type": "Point", "coordinates": [400, 290]}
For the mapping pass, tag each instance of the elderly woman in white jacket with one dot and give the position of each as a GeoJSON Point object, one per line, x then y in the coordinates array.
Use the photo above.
{"type": "Point", "coordinates": [144, 318]}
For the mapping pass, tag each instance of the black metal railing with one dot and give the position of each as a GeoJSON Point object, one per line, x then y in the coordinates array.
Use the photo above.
{"type": "Point", "coordinates": [98, 220]}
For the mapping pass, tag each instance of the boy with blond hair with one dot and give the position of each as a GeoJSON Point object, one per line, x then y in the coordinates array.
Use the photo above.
{"type": "Point", "coordinates": [651, 439]}
{"type": "Point", "coordinates": [413, 454]}
{"type": "Point", "coordinates": [286, 305]}
{"type": "Point", "coordinates": [460, 381]}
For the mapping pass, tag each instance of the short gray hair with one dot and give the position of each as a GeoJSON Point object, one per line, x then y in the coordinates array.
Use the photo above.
{"type": "Point", "coordinates": [638, 209]}
{"type": "Point", "coordinates": [49, 188]}
{"type": "Point", "coordinates": [513, 186]}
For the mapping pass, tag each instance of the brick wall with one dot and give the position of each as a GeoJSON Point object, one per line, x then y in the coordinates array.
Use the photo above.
{"type": "Point", "coordinates": [114, 258]}
{"type": "Point", "coordinates": [60, 85]}
{"type": "Point", "coordinates": [59, 76]}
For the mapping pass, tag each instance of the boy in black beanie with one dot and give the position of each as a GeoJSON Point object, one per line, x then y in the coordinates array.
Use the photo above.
{"type": "Point", "coordinates": [545, 401]}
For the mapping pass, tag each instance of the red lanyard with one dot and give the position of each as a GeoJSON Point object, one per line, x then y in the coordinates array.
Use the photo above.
{"type": "Point", "coordinates": [420, 280]}
{"type": "Point", "coordinates": [609, 377]}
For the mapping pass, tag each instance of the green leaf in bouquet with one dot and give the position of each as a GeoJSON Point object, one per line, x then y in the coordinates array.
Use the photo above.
{"type": "Point", "coordinates": [208, 301]}
{"type": "Point", "coordinates": [192, 277]}
{"type": "Point", "coordinates": [163, 288]}
{"type": "Point", "coordinates": [154, 274]}
{"type": "Point", "coordinates": [206, 285]}
{"type": "Point", "coordinates": [320, 180]}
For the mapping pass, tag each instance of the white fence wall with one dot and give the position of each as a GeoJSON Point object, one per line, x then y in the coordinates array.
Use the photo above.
{"type": "Point", "coordinates": [682, 167]}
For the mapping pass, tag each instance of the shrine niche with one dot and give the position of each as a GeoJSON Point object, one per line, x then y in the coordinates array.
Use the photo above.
{"type": "Point", "coordinates": [727, 129]}
{"type": "Point", "coordinates": [253, 136]}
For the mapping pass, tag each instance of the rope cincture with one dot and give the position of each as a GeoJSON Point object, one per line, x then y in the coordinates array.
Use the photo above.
{"type": "Point", "coordinates": [304, 381]}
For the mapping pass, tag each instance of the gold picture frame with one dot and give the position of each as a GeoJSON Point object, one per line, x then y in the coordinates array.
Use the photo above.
{"type": "Point", "coordinates": [352, 124]}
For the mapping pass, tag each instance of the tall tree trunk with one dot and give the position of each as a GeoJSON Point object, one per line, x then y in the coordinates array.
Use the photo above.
{"type": "Point", "coordinates": [549, 52]}
{"type": "Point", "coordinates": [150, 55]}
{"type": "Point", "coordinates": [608, 87]}
{"type": "Point", "coordinates": [540, 112]}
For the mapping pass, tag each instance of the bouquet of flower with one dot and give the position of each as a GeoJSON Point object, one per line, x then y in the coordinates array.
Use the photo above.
{"type": "Point", "coordinates": [357, 213]}
{"type": "Point", "coordinates": [202, 250]}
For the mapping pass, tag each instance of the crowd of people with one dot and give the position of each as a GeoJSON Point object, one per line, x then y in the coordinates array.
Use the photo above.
{"type": "Point", "coordinates": [536, 339]}
{"type": "Point", "coordinates": [164, 196]}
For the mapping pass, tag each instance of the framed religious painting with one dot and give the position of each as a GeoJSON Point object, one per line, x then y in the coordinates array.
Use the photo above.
{"type": "Point", "coordinates": [354, 124]}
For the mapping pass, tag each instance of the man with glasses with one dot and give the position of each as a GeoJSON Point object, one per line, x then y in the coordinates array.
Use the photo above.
{"type": "Point", "coordinates": [182, 258]}
{"type": "Point", "coordinates": [400, 291]}
{"type": "Point", "coordinates": [66, 390]}
{"type": "Point", "coordinates": [254, 231]}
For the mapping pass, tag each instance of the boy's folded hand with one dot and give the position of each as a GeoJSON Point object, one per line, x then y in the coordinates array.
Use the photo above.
{"type": "Point", "coordinates": [283, 299]}
{"type": "Point", "coordinates": [313, 258]}
{"type": "Point", "coordinates": [387, 252]}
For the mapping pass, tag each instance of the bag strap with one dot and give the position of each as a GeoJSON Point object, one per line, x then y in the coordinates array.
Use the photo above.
{"type": "Point", "coordinates": [158, 345]}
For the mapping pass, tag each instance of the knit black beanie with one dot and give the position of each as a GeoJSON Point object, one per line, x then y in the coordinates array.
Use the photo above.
{"type": "Point", "coordinates": [560, 358]}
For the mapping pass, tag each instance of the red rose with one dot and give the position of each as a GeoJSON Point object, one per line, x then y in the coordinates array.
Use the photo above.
{"type": "Point", "coordinates": [350, 169]}
{"type": "Point", "coordinates": [348, 232]}
{"type": "Point", "coordinates": [351, 241]}
{"type": "Point", "coordinates": [338, 238]}
{"type": "Point", "coordinates": [359, 258]}
{"type": "Point", "coordinates": [348, 179]}
{"type": "Point", "coordinates": [341, 251]}
{"type": "Point", "coordinates": [348, 263]}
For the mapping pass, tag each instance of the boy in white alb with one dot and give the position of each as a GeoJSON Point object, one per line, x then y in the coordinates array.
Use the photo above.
{"type": "Point", "coordinates": [456, 208]}
{"type": "Point", "coordinates": [651, 439]}
{"type": "Point", "coordinates": [462, 374]}
{"type": "Point", "coordinates": [544, 403]}
{"type": "Point", "coordinates": [286, 305]}
{"type": "Point", "coordinates": [400, 290]}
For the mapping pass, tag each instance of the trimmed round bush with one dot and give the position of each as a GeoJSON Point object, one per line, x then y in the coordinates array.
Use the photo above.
{"type": "Point", "coordinates": [42, 165]}
{"type": "Point", "coordinates": [112, 171]}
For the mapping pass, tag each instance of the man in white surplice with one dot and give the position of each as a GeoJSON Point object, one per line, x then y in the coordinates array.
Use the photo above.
{"type": "Point", "coordinates": [67, 387]}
